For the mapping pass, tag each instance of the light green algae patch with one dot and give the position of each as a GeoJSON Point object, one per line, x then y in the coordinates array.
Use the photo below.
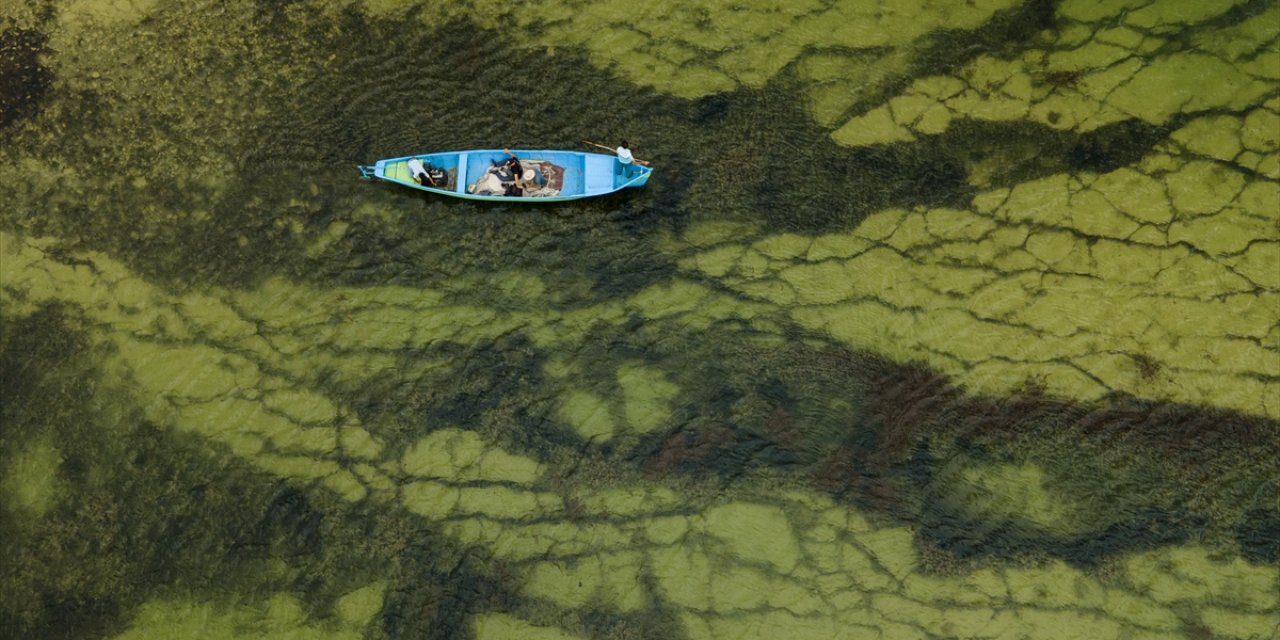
{"type": "Point", "coordinates": [503, 502]}
{"type": "Point", "coordinates": [875, 127]}
{"type": "Point", "coordinates": [755, 533]}
{"type": "Point", "coordinates": [500, 626]}
{"type": "Point", "coordinates": [357, 608]}
{"type": "Point", "coordinates": [1049, 283]}
{"type": "Point", "coordinates": [863, 578]}
{"type": "Point", "coordinates": [647, 395]}
{"type": "Point", "coordinates": [459, 455]}
{"type": "Point", "coordinates": [1082, 85]}
{"type": "Point", "coordinates": [588, 414]}
{"type": "Point", "coordinates": [430, 499]}
{"type": "Point", "coordinates": [279, 617]}
{"type": "Point", "coordinates": [301, 407]}
{"type": "Point", "coordinates": [1194, 574]}
{"type": "Point", "coordinates": [756, 561]}
{"type": "Point", "coordinates": [628, 501]}
{"type": "Point", "coordinates": [844, 49]}
{"type": "Point", "coordinates": [1003, 492]}
{"type": "Point", "coordinates": [1228, 623]}
{"type": "Point", "coordinates": [30, 483]}
{"type": "Point", "coordinates": [194, 387]}
{"type": "Point", "coordinates": [82, 14]}
{"type": "Point", "coordinates": [613, 579]}
{"type": "Point", "coordinates": [746, 567]}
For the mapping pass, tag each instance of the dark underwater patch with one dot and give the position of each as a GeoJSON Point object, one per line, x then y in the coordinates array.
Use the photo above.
{"type": "Point", "coordinates": [1006, 34]}
{"type": "Point", "coordinates": [967, 539]}
{"type": "Point", "coordinates": [1259, 534]}
{"type": "Point", "coordinates": [885, 448]}
{"type": "Point", "coordinates": [1179, 455]}
{"type": "Point", "coordinates": [24, 81]}
{"type": "Point", "coordinates": [1113, 146]}
{"type": "Point", "coordinates": [397, 90]}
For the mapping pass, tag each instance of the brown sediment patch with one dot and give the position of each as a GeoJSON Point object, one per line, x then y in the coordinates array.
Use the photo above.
{"type": "Point", "coordinates": [906, 401]}
{"type": "Point", "coordinates": [683, 449]}
{"type": "Point", "coordinates": [842, 472]}
{"type": "Point", "coordinates": [781, 428]}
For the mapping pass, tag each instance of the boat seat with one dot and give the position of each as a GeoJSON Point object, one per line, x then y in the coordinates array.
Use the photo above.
{"type": "Point", "coordinates": [461, 185]}
{"type": "Point", "coordinates": [599, 173]}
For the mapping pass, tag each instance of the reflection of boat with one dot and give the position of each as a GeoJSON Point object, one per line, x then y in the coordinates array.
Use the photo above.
{"type": "Point", "coordinates": [478, 175]}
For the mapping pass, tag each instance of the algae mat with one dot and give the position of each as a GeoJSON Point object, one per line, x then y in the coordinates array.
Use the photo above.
{"type": "Point", "coordinates": [939, 320]}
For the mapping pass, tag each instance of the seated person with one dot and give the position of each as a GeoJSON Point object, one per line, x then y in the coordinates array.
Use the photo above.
{"type": "Point", "coordinates": [512, 165]}
{"type": "Point", "coordinates": [420, 173]}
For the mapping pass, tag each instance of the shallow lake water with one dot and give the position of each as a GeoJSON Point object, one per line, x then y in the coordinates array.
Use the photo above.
{"type": "Point", "coordinates": [956, 319]}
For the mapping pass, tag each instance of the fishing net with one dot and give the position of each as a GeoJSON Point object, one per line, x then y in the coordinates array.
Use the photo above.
{"type": "Point", "coordinates": [547, 180]}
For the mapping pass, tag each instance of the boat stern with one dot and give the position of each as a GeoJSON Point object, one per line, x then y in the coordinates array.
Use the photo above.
{"type": "Point", "coordinates": [643, 178]}
{"type": "Point", "coordinates": [626, 177]}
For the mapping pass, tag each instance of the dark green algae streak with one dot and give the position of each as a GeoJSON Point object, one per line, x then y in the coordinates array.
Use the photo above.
{"type": "Point", "coordinates": [137, 511]}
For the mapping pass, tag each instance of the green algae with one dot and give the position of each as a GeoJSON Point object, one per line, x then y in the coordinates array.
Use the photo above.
{"type": "Point", "coordinates": [1203, 187]}
{"type": "Point", "coordinates": [647, 395]}
{"type": "Point", "coordinates": [280, 616]}
{"type": "Point", "coordinates": [30, 482]}
{"type": "Point", "coordinates": [629, 501]}
{"type": "Point", "coordinates": [1229, 623]}
{"type": "Point", "coordinates": [682, 575]}
{"type": "Point", "coordinates": [839, 79]}
{"type": "Point", "coordinates": [357, 608]}
{"type": "Point", "coordinates": [735, 45]}
{"type": "Point", "coordinates": [301, 407]}
{"type": "Point", "coordinates": [125, 485]}
{"type": "Point", "coordinates": [499, 626]}
{"type": "Point", "coordinates": [1194, 574]}
{"type": "Point", "coordinates": [431, 499]}
{"type": "Point", "coordinates": [462, 455]}
{"type": "Point", "coordinates": [612, 582]}
{"type": "Point", "coordinates": [893, 549]}
{"type": "Point", "coordinates": [1059, 246]}
{"type": "Point", "coordinates": [875, 127]}
{"type": "Point", "coordinates": [999, 493]}
{"type": "Point", "coordinates": [755, 533]}
{"type": "Point", "coordinates": [585, 586]}
{"type": "Point", "coordinates": [588, 414]}
{"type": "Point", "coordinates": [666, 530]}
{"type": "Point", "coordinates": [1057, 283]}
{"type": "Point", "coordinates": [771, 624]}
{"type": "Point", "coordinates": [503, 502]}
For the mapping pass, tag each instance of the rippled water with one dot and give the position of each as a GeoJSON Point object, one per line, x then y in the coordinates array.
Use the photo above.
{"type": "Point", "coordinates": [952, 320]}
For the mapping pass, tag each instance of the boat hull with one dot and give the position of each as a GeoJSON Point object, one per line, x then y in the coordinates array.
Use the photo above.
{"type": "Point", "coordinates": [584, 175]}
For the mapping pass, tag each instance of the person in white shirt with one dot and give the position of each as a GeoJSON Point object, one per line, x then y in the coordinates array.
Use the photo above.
{"type": "Point", "coordinates": [626, 160]}
{"type": "Point", "coordinates": [419, 173]}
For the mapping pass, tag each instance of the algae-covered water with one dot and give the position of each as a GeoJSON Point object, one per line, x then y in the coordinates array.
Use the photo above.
{"type": "Point", "coordinates": [945, 319]}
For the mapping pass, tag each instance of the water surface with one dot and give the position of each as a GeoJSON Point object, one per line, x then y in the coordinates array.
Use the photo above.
{"type": "Point", "coordinates": [949, 320]}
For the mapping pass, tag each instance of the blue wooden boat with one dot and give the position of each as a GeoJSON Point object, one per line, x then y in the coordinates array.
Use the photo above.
{"type": "Point", "coordinates": [552, 176]}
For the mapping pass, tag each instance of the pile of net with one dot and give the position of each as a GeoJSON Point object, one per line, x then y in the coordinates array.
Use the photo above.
{"type": "Point", "coordinates": [541, 179]}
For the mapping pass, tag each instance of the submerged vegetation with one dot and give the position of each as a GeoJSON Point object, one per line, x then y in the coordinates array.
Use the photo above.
{"type": "Point", "coordinates": [950, 322]}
